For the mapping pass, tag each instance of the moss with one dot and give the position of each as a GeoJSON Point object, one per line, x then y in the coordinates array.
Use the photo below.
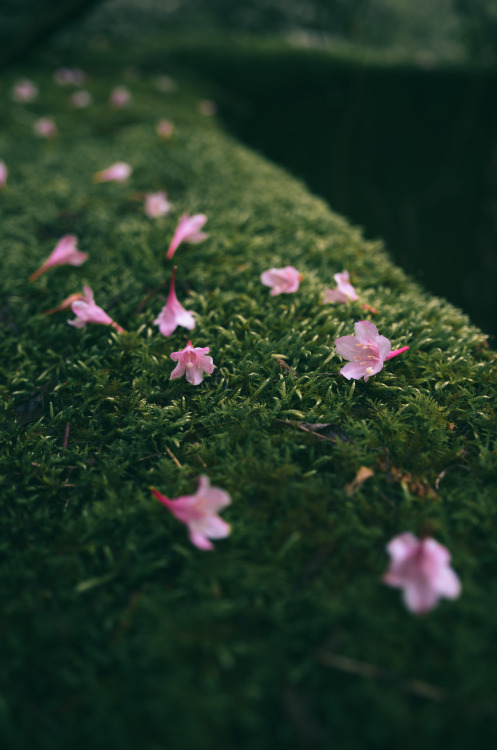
{"type": "Point", "coordinates": [116, 630]}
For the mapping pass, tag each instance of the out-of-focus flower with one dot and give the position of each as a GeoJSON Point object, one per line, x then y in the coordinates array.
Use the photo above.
{"type": "Point", "coordinates": [366, 350]}
{"type": "Point", "coordinates": [207, 107]}
{"type": "Point", "coordinates": [173, 314]}
{"type": "Point", "coordinates": [24, 91]}
{"type": "Point", "coordinates": [165, 129]}
{"type": "Point", "coordinates": [199, 512]}
{"type": "Point", "coordinates": [165, 84]}
{"type": "Point", "coordinates": [421, 568]}
{"type": "Point", "coordinates": [156, 204]}
{"type": "Point", "coordinates": [188, 230]}
{"type": "Point", "coordinates": [69, 76]}
{"type": "Point", "coordinates": [282, 280]}
{"type": "Point", "coordinates": [344, 291]}
{"type": "Point", "coordinates": [193, 362]}
{"type": "Point", "coordinates": [81, 99]}
{"type": "Point", "coordinates": [87, 311]}
{"type": "Point", "coordinates": [64, 253]}
{"type": "Point", "coordinates": [119, 97]}
{"type": "Point", "coordinates": [45, 127]}
{"type": "Point", "coordinates": [118, 172]}
{"type": "Point", "coordinates": [3, 174]}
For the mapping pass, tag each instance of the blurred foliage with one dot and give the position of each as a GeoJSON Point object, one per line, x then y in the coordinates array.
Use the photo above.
{"type": "Point", "coordinates": [479, 27]}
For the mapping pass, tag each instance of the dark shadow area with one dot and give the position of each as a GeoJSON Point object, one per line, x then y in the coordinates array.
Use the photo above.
{"type": "Point", "coordinates": [409, 154]}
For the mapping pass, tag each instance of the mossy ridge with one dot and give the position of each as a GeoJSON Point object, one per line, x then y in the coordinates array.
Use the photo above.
{"type": "Point", "coordinates": [102, 581]}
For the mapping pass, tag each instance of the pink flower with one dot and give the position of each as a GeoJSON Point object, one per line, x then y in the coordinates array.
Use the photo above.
{"type": "Point", "coordinates": [81, 99]}
{"type": "Point", "coordinates": [87, 311]}
{"type": "Point", "coordinates": [188, 230]}
{"type": "Point", "coordinates": [69, 76]}
{"type": "Point", "coordinates": [207, 107]}
{"type": "Point", "coordinates": [421, 568]}
{"type": "Point", "coordinates": [67, 302]}
{"type": "Point", "coordinates": [118, 172]}
{"type": "Point", "coordinates": [173, 314]}
{"type": "Point", "coordinates": [64, 253]}
{"type": "Point", "coordinates": [200, 513]}
{"type": "Point", "coordinates": [165, 84]}
{"type": "Point", "coordinates": [156, 204]}
{"type": "Point", "coordinates": [193, 362]}
{"type": "Point", "coordinates": [45, 127]}
{"type": "Point", "coordinates": [165, 129]}
{"type": "Point", "coordinates": [119, 97]}
{"type": "Point", "coordinates": [366, 350]}
{"type": "Point", "coordinates": [344, 292]}
{"type": "Point", "coordinates": [282, 280]}
{"type": "Point", "coordinates": [24, 91]}
{"type": "Point", "coordinates": [3, 174]}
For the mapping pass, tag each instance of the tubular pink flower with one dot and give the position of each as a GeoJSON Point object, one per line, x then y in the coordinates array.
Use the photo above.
{"type": "Point", "coordinates": [188, 230]}
{"type": "Point", "coordinates": [45, 127]}
{"type": "Point", "coordinates": [65, 304]}
{"type": "Point", "coordinates": [3, 174]}
{"type": "Point", "coordinates": [421, 568]}
{"type": "Point", "coordinates": [173, 314]}
{"type": "Point", "coordinates": [69, 76]}
{"type": "Point", "coordinates": [119, 172]}
{"type": "Point", "coordinates": [366, 350]}
{"type": "Point", "coordinates": [344, 291]}
{"type": "Point", "coordinates": [165, 129]}
{"type": "Point", "coordinates": [64, 253]}
{"type": "Point", "coordinates": [193, 362]}
{"type": "Point", "coordinates": [282, 280]}
{"type": "Point", "coordinates": [81, 99]}
{"type": "Point", "coordinates": [119, 97]}
{"type": "Point", "coordinates": [200, 513]}
{"type": "Point", "coordinates": [24, 91]}
{"type": "Point", "coordinates": [156, 204]}
{"type": "Point", "coordinates": [87, 311]}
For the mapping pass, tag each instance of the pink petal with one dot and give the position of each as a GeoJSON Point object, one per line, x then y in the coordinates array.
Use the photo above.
{"type": "Point", "coordinates": [366, 332]}
{"type": "Point", "coordinates": [353, 370]}
{"type": "Point", "coordinates": [200, 541]}
{"type": "Point", "coordinates": [348, 347]}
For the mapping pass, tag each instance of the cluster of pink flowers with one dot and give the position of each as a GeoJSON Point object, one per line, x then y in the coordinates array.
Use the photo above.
{"type": "Point", "coordinates": [420, 567]}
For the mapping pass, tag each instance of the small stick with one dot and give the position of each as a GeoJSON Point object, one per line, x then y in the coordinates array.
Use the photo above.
{"type": "Point", "coordinates": [66, 435]}
{"type": "Point", "coordinates": [168, 450]}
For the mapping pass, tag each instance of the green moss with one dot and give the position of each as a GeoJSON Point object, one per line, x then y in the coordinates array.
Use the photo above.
{"type": "Point", "coordinates": [115, 629]}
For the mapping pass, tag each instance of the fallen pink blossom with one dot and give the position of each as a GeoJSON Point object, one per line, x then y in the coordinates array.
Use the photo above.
{"type": "Point", "coordinates": [156, 204]}
{"type": "Point", "coordinates": [81, 99]}
{"type": "Point", "coordinates": [69, 76]}
{"type": "Point", "coordinates": [118, 172]}
{"type": "Point", "coordinates": [421, 568]}
{"type": "Point", "coordinates": [165, 128]}
{"type": "Point", "coordinates": [207, 107]}
{"type": "Point", "coordinates": [45, 127]}
{"type": "Point", "coordinates": [65, 304]}
{"type": "Point", "coordinates": [282, 280]}
{"type": "Point", "coordinates": [24, 91]}
{"type": "Point", "coordinates": [188, 230]}
{"type": "Point", "coordinates": [87, 311]}
{"type": "Point", "coordinates": [173, 314]}
{"type": "Point", "coordinates": [119, 97]}
{"type": "Point", "coordinates": [64, 253]}
{"type": "Point", "coordinates": [344, 291]}
{"type": "Point", "coordinates": [199, 512]}
{"type": "Point", "coordinates": [3, 174]}
{"type": "Point", "coordinates": [366, 350]}
{"type": "Point", "coordinates": [193, 362]}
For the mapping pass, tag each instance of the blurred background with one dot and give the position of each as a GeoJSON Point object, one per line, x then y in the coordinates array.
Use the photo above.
{"type": "Point", "coordinates": [385, 108]}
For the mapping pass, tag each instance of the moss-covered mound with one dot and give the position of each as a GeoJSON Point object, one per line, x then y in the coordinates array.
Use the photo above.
{"type": "Point", "coordinates": [115, 630]}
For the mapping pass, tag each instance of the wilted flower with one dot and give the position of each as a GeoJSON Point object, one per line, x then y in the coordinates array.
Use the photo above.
{"type": "Point", "coordinates": [344, 292]}
{"type": "Point", "coordinates": [165, 129]}
{"type": "Point", "coordinates": [282, 280]}
{"type": "Point", "coordinates": [156, 204]}
{"type": "Point", "coordinates": [119, 97]}
{"type": "Point", "coordinates": [3, 174]}
{"type": "Point", "coordinates": [45, 127]}
{"type": "Point", "coordinates": [193, 362]}
{"type": "Point", "coordinates": [118, 172]}
{"type": "Point", "coordinates": [64, 253]}
{"type": "Point", "coordinates": [366, 350]}
{"type": "Point", "coordinates": [69, 76]}
{"type": "Point", "coordinates": [421, 568]}
{"type": "Point", "coordinates": [200, 513]}
{"type": "Point", "coordinates": [173, 314]}
{"type": "Point", "coordinates": [87, 311]}
{"type": "Point", "coordinates": [81, 99]}
{"type": "Point", "coordinates": [188, 230]}
{"type": "Point", "coordinates": [24, 91]}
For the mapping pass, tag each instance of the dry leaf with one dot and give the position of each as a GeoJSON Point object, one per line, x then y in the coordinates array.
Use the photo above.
{"type": "Point", "coordinates": [363, 473]}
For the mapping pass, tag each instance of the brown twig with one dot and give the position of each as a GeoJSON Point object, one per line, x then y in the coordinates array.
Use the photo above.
{"type": "Point", "coordinates": [66, 435]}
{"type": "Point", "coordinates": [169, 451]}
